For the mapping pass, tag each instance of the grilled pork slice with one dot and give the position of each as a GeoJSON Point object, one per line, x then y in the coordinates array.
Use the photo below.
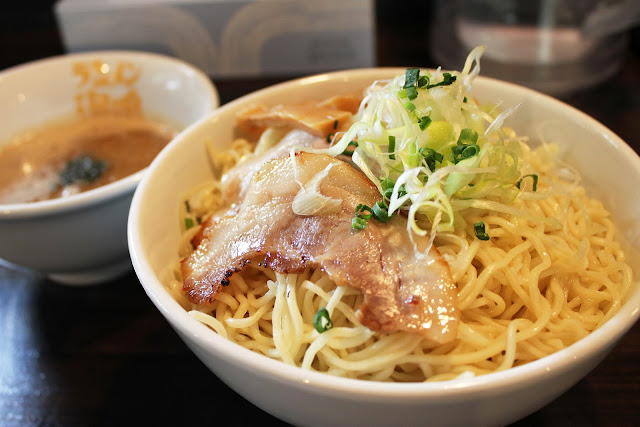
{"type": "Point", "coordinates": [404, 288]}
{"type": "Point", "coordinates": [317, 118]}
{"type": "Point", "coordinates": [235, 182]}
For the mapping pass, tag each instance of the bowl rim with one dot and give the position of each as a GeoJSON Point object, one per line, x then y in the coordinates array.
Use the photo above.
{"type": "Point", "coordinates": [602, 338]}
{"type": "Point", "coordinates": [124, 185]}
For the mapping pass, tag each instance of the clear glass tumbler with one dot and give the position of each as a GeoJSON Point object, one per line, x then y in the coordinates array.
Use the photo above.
{"type": "Point", "coordinates": [554, 46]}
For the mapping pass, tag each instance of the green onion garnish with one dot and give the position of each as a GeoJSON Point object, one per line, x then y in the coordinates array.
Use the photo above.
{"type": "Point", "coordinates": [447, 79]}
{"type": "Point", "coordinates": [463, 152]}
{"type": "Point", "coordinates": [330, 137]}
{"type": "Point", "coordinates": [392, 147]}
{"type": "Point", "coordinates": [387, 189]}
{"type": "Point", "coordinates": [360, 209]}
{"type": "Point", "coordinates": [348, 152]}
{"type": "Point", "coordinates": [358, 223]}
{"type": "Point", "coordinates": [401, 191]}
{"type": "Point", "coordinates": [466, 147]}
{"type": "Point", "coordinates": [481, 234]}
{"type": "Point", "coordinates": [188, 223]}
{"type": "Point", "coordinates": [468, 136]}
{"type": "Point", "coordinates": [411, 92]}
{"type": "Point", "coordinates": [335, 124]}
{"type": "Point", "coordinates": [322, 321]}
{"type": "Point", "coordinates": [535, 181]}
{"type": "Point", "coordinates": [424, 122]}
{"type": "Point", "coordinates": [381, 213]}
{"type": "Point", "coordinates": [431, 156]}
{"type": "Point", "coordinates": [387, 184]}
{"type": "Point", "coordinates": [411, 77]}
{"type": "Point", "coordinates": [409, 106]}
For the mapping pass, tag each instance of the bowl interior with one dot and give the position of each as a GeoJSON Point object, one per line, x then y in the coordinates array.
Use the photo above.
{"type": "Point", "coordinates": [58, 88]}
{"type": "Point", "coordinates": [53, 88]}
{"type": "Point", "coordinates": [604, 160]}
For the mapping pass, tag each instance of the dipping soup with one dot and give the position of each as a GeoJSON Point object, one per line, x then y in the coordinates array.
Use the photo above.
{"type": "Point", "coordinates": [76, 155]}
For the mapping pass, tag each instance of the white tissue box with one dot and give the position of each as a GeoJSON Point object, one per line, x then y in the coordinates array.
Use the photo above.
{"type": "Point", "coordinates": [228, 38]}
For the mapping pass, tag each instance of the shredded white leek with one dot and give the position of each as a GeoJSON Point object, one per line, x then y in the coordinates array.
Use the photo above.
{"type": "Point", "coordinates": [432, 116]}
{"type": "Point", "coordinates": [309, 201]}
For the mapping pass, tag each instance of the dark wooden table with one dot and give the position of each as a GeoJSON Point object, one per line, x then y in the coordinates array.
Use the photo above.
{"type": "Point", "coordinates": [104, 355]}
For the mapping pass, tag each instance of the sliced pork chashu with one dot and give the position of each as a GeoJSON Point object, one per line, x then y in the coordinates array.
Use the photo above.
{"type": "Point", "coordinates": [236, 181]}
{"type": "Point", "coordinates": [317, 118]}
{"type": "Point", "coordinates": [404, 289]}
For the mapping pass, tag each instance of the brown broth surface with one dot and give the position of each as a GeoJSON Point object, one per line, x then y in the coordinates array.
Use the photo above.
{"type": "Point", "coordinates": [31, 163]}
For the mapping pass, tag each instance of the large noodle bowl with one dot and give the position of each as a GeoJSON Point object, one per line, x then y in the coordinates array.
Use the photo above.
{"type": "Point", "coordinates": [550, 273]}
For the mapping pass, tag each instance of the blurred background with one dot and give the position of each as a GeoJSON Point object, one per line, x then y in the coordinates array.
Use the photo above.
{"type": "Point", "coordinates": [248, 45]}
{"type": "Point", "coordinates": [401, 32]}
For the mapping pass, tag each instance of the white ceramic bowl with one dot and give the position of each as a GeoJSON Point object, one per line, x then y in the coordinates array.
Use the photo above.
{"type": "Point", "coordinates": [610, 167]}
{"type": "Point", "coordinates": [82, 239]}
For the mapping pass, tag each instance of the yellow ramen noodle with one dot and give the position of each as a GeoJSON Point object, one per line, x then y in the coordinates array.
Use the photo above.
{"type": "Point", "coordinates": [529, 291]}
{"type": "Point", "coordinates": [551, 272]}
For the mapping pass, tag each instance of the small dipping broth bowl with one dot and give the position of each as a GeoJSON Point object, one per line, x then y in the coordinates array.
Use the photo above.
{"type": "Point", "coordinates": [610, 170]}
{"type": "Point", "coordinates": [81, 239]}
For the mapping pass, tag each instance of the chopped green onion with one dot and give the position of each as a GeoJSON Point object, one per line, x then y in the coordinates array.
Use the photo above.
{"type": "Point", "coordinates": [188, 223]}
{"type": "Point", "coordinates": [535, 181]}
{"type": "Point", "coordinates": [424, 122]}
{"type": "Point", "coordinates": [413, 80]}
{"type": "Point", "coordinates": [322, 321]}
{"type": "Point", "coordinates": [411, 77]}
{"type": "Point", "coordinates": [463, 152]}
{"type": "Point", "coordinates": [479, 229]}
{"type": "Point", "coordinates": [401, 191]}
{"type": "Point", "coordinates": [447, 79]}
{"type": "Point", "coordinates": [358, 223]}
{"type": "Point", "coordinates": [330, 137]}
{"type": "Point", "coordinates": [466, 146]}
{"type": "Point", "coordinates": [380, 212]}
{"type": "Point", "coordinates": [467, 135]}
{"type": "Point", "coordinates": [387, 184]}
{"type": "Point", "coordinates": [335, 124]}
{"type": "Point", "coordinates": [387, 189]}
{"type": "Point", "coordinates": [431, 156]}
{"type": "Point", "coordinates": [412, 92]}
{"type": "Point", "coordinates": [409, 106]}
{"type": "Point", "coordinates": [348, 152]}
{"type": "Point", "coordinates": [364, 208]}
{"type": "Point", "coordinates": [392, 147]}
